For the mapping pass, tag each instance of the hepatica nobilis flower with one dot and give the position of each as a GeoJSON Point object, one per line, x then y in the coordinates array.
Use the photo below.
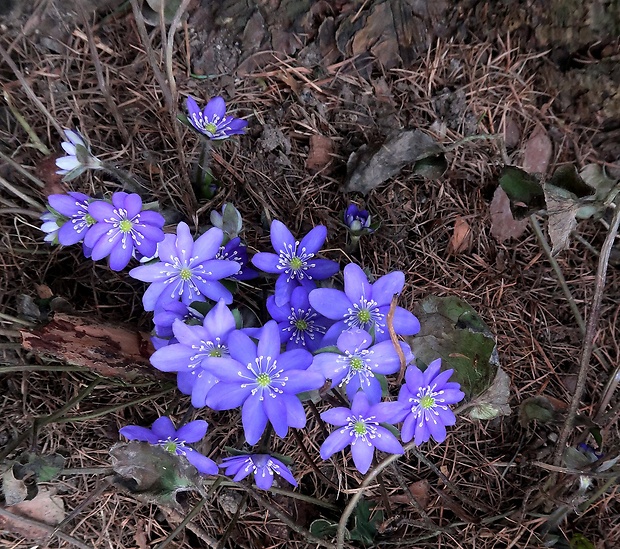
{"type": "Point", "coordinates": [263, 466]}
{"type": "Point", "coordinates": [73, 218]}
{"type": "Point", "coordinates": [357, 221]}
{"type": "Point", "coordinates": [301, 327]}
{"type": "Point", "coordinates": [424, 399]}
{"type": "Point", "coordinates": [121, 227]}
{"type": "Point", "coordinates": [295, 261]}
{"type": "Point", "coordinates": [359, 362]}
{"type": "Point", "coordinates": [212, 121]}
{"type": "Point", "coordinates": [363, 305]}
{"type": "Point", "coordinates": [359, 427]}
{"type": "Point", "coordinates": [51, 226]}
{"type": "Point", "coordinates": [186, 270]}
{"type": "Point", "coordinates": [78, 157]}
{"type": "Point", "coordinates": [234, 250]}
{"type": "Point", "coordinates": [265, 381]}
{"type": "Point", "coordinates": [200, 353]}
{"type": "Point", "coordinates": [163, 433]}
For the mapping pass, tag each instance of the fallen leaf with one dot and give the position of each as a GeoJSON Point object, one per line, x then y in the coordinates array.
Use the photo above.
{"type": "Point", "coordinates": [462, 238]}
{"type": "Point", "coordinates": [46, 508]}
{"type": "Point", "coordinates": [14, 489]}
{"type": "Point", "coordinates": [537, 152]}
{"type": "Point", "coordinates": [420, 491]}
{"type": "Point", "coordinates": [512, 133]}
{"type": "Point", "coordinates": [538, 408]}
{"type": "Point", "coordinates": [503, 223]}
{"type": "Point", "coordinates": [562, 221]}
{"type": "Point", "coordinates": [43, 291]}
{"type": "Point", "coordinates": [524, 191]}
{"type": "Point", "coordinates": [494, 401]}
{"type": "Point", "coordinates": [320, 153]}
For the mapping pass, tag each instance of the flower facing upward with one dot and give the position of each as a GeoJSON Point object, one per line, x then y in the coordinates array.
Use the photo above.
{"type": "Point", "coordinates": [212, 121]}
{"type": "Point", "coordinates": [363, 305]}
{"type": "Point", "coordinates": [360, 428]}
{"type": "Point", "coordinates": [122, 227]}
{"type": "Point", "coordinates": [265, 381]}
{"type": "Point", "coordinates": [424, 400]}
{"type": "Point", "coordinates": [357, 221]}
{"type": "Point", "coordinates": [263, 466]}
{"type": "Point", "coordinates": [187, 270]}
{"type": "Point", "coordinates": [162, 433]}
{"type": "Point", "coordinates": [78, 157]}
{"type": "Point", "coordinates": [357, 366]}
{"type": "Point", "coordinates": [295, 261]}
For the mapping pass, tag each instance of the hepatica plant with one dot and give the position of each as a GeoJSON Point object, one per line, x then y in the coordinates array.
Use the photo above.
{"type": "Point", "coordinates": [320, 336]}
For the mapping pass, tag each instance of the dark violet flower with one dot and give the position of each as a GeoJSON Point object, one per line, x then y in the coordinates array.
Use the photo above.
{"type": "Point", "coordinates": [357, 221]}
{"type": "Point", "coordinates": [162, 433]}
{"type": "Point", "coordinates": [424, 400]}
{"type": "Point", "coordinates": [122, 227]}
{"type": "Point", "coordinates": [265, 382]}
{"type": "Point", "coordinates": [187, 270]}
{"type": "Point", "coordinates": [360, 428]}
{"type": "Point", "coordinates": [295, 261]}
{"type": "Point", "coordinates": [364, 305]}
{"type": "Point", "coordinates": [235, 251]}
{"type": "Point", "coordinates": [301, 327]}
{"type": "Point", "coordinates": [78, 157]}
{"type": "Point", "coordinates": [74, 219]}
{"type": "Point", "coordinates": [200, 353]}
{"type": "Point", "coordinates": [359, 362]}
{"type": "Point", "coordinates": [262, 466]}
{"type": "Point", "coordinates": [212, 121]}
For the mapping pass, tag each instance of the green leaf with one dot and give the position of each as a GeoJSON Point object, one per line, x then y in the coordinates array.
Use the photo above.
{"type": "Point", "coordinates": [579, 541]}
{"type": "Point", "coordinates": [524, 191]}
{"type": "Point", "coordinates": [324, 529]}
{"type": "Point", "coordinates": [494, 401]}
{"type": "Point", "coordinates": [537, 408]}
{"type": "Point", "coordinates": [365, 529]}
{"type": "Point", "coordinates": [431, 167]}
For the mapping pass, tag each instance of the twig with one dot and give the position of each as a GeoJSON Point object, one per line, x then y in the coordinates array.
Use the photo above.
{"type": "Point", "coordinates": [38, 144]}
{"type": "Point", "coordinates": [20, 194]}
{"type": "Point", "coordinates": [185, 522]}
{"type": "Point", "coordinates": [315, 467]}
{"type": "Point", "coordinates": [588, 344]}
{"type": "Point", "coordinates": [170, 43]}
{"type": "Point", "coordinates": [394, 338]}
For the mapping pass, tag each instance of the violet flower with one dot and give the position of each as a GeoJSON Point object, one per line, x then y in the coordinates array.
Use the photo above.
{"type": "Point", "coordinates": [164, 317]}
{"type": "Point", "coordinates": [122, 227]}
{"type": "Point", "coordinates": [363, 305]}
{"type": "Point", "coordinates": [360, 361]}
{"type": "Point", "coordinates": [265, 381]}
{"type": "Point", "coordinates": [235, 251]}
{"type": "Point", "coordinates": [295, 261]}
{"type": "Point", "coordinates": [263, 466]}
{"type": "Point", "coordinates": [187, 270]}
{"type": "Point", "coordinates": [212, 121]}
{"type": "Point", "coordinates": [74, 219]}
{"type": "Point", "coordinates": [357, 221]}
{"type": "Point", "coordinates": [50, 226]}
{"type": "Point", "coordinates": [359, 427]}
{"type": "Point", "coordinates": [163, 433]}
{"type": "Point", "coordinates": [424, 400]}
{"type": "Point", "coordinates": [78, 157]}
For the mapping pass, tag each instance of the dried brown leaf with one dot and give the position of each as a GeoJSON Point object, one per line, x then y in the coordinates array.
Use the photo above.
{"type": "Point", "coordinates": [320, 153]}
{"type": "Point", "coordinates": [46, 508]}
{"type": "Point", "coordinates": [538, 151]}
{"type": "Point", "coordinates": [503, 224]}
{"type": "Point", "coordinates": [562, 222]}
{"type": "Point", "coordinates": [462, 237]}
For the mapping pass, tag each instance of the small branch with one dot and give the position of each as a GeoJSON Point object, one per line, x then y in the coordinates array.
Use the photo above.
{"type": "Point", "coordinates": [309, 459]}
{"type": "Point", "coordinates": [394, 338]}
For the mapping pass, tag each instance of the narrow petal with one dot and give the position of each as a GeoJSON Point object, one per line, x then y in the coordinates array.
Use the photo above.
{"type": "Point", "coordinates": [356, 284]}
{"type": "Point", "coordinates": [184, 242]}
{"type": "Point", "coordinates": [421, 432]}
{"type": "Point", "coordinates": [388, 286]}
{"type": "Point", "coordinates": [295, 413]}
{"type": "Point", "coordinates": [387, 442]}
{"type": "Point", "coordinates": [384, 357]}
{"type": "Point", "coordinates": [95, 233]}
{"type": "Point", "coordinates": [254, 419]}
{"type": "Point", "coordinates": [69, 233]}
{"type": "Point", "coordinates": [193, 431]}
{"type": "Point", "coordinates": [337, 416]}
{"type": "Point", "coordinates": [133, 205]}
{"type": "Point", "coordinates": [152, 295]}
{"type": "Point", "coordinates": [335, 442]}
{"type": "Point", "coordinates": [263, 478]}
{"type": "Point", "coordinates": [280, 314]}
{"type": "Point", "coordinates": [414, 379]}
{"type": "Point", "coordinates": [192, 107]}
{"type": "Point", "coordinates": [172, 358]}
{"type": "Point", "coordinates": [314, 240]}
{"type": "Point", "coordinates": [220, 320]}
{"type": "Point", "coordinates": [389, 412]}
{"type": "Point", "coordinates": [408, 430]}
{"type": "Point", "coordinates": [284, 289]}
{"type": "Point", "coordinates": [203, 382]}
{"type": "Point", "coordinates": [150, 273]}
{"type": "Point", "coordinates": [323, 268]}
{"type": "Point", "coordinates": [242, 348]}
{"type": "Point", "coordinates": [283, 471]}
{"type": "Point", "coordinates": [332, 335]}
{"type": "Point", "coordinates": [269, 342]}
{"type": "Point", "coordinates": [330, 303]}
{"type": "Point", "coordinates": [302, 380]}
{"type": "Point", "coordinates": [213, 290]}
{"type": "Point", "coordinates": [405, 322]}
{"type": "Point", "coordinates": [185, 382]}
{"type": "Point", "coordinates": [163, 427]}
{"type": "Point", "coordinates": [204, 465]}
{"type": "Point", "coordinates": [208, 244]}
{"type": "Point", "coordinates": [105, 245]}
{"type": "Point", "coordinates": [362, 454]}
{"type": "Point", "coordinates": [276, 412]}
{"type": "Point", "coordinates": [360, 405]}
{"type": "Point", "coordinates": [436, 428]}
{"type": "Point", "coordinates": [67, 162]}
{"type": "Point", "coordinates": [134, 432]}
{"type": "Point", "coordinates": [431, 371]}
{"type": "Point", "coordinates": [328, 364]}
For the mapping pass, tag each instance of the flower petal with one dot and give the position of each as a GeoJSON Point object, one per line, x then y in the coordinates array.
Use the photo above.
{"type": "Point", "coordinates": [204, 465]}
{"type": "Point", "coordinates": [354, 340]}
{"type": "Point", "coordinates": [356, 284]}
{"type": "Point", "coordinates": [134, 432]}
{"type": "Point", "coordinates": [362, 454]}
{"type": "Point", "coordinates": [323, 268]}
{"type": "Point", "coordinates": [193, 431]}
{"type": "Point", "coordinates": [254, 419]}
{"type": "Point", "coordinates": [387, 287]}
{"type": "Point", "coordinates": [120, 256]}
{"type": "Point", "coordinates": [335, 442]}
{"type": "Point", "coordinates": [203, 383]}
{"type": "Point", "coordinates": [296, 359]}
{"type": "Point", "coordinates": [227, 396]}
{"type": "Point", "coordinates": [269, 342]}
{"type": "Point", "coordinates": [173, 358]}
{"type": "Point", "coordinates": [266, 262]}
{"type": "Point", "coordinates": [314, 240]}
{"type": "Point", "coordinates": [242, 348]}
{"type": "Point", "coordinates": [337, 416]}
{"type": "Point", "coordinates": [281, 237]}
{"type": "Point", "coordinates": [208, 244]}
{"type": "Point", "coordinates": [405, 322]}
{"type": "Point", "coordinates": [216, 108]}
{"type": "Point", "coordinates": [302, 380]}
{"type": "Point", "coordinates": [163, 428]}
{"type": "Point", "coordinates": [330, 303]}
{"type": "Point", "coordinates": [387, 442]}
{"type": "Point", "coordinates": [276, 412]}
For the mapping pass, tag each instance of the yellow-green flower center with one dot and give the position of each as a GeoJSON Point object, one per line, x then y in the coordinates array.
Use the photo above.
{"type": "Point", "coordinates": [90, 220]}
{"type": "Point", "coordinates": [125, 226]}
{"type": "Point", "coordinates": [427, 402]}
{"type": "Point", "coordinates": [296, 263]}
{"type": "Point", "coordinates": [356, 363]}
{"type": "Point", "coordinates": [216, 353]}
{"type": "Point", "coordinates": [359, 428]}
{"type": "Point", "coordinates": [363, 316]}
{"type": "Point", "coordinates": [171, 447]}
{"type": "Point", "coordinates": [211, 128]}
{"type": "Point", "coordinates": [263, 380]}
{"type": "Point", "coordinates": [185, 274]}
{"type": "Point", "coordinates": [301, 325]}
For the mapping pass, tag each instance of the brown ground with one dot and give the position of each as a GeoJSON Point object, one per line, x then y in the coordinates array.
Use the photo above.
{"type": "Point", "coordinates": [461, 80]}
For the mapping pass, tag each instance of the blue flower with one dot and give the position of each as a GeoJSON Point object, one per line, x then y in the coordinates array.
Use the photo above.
{"type": "Point", "coordinates": [424, 400]}
{"type": "Point", "coordinates": [122, 227]}
{"type": "Point", "coordinates": [235, 251]}
{"type": "Point", "coordinates": [301, 327]}
{"type": "Point", "coordinates": [363, 305]}
{"type": "Point", "coordinates": [78, 157]}
{"type": "Point", "coordinates": [357, 221]}
{"type": "Point", "coordinates": [73, 219]}
{"type": "Point", "coordinates": [212, 121]}
{"type": "Point", "coordinates": [200, 353]}
{"type": "Point", "coordinates": [359, 362]}
{"type": "Point", "coordinates": [164, 318]}
{"type": "Point", "coordinates": [163, 433]}
{"type": "Point", "coordinates": [265, 382]}
{"type": "Point", "coordinates": [360, 428]}
{"type": "Point", "coordinates": [295, 261]}
{"type": "Point", "coordinates": [187, 270]}
{"type": "Point", "coordinates": [262, 466]}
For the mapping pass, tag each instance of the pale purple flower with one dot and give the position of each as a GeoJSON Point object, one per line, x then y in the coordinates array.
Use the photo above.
{"type": "Point", "coordinates": [74, 219]}
{"type": "Point", "coordinates": [424, 399]}
{"type": "Point", "coordinates": [163, 433]}
{"type": "Point", "coordinates": [78, 157]}
{"type": "Point", "coordinates": [363, 305]}
{"type": "Point", "coordinates": [121, 227]}
{"type": "Point", "coordinates": [265, 381]}
{"type": "Point", "coordinates": [164, 317]}
{"type": "Point", "coordinates": [50, 226]}
{"type": "Point", "coordinates": [200, 353]}
{"type": "Point", "coordinates": [358, 363]}
{"type": "Point", "coordinates": [359, 427]}
{"type": "Point", "coordinates": [212, 121]}
{"type": "Point", "coordinates": [301, 327]}
{"type": "Point", "coordinates": [295, 261]}
{"type": "Point", "coordinates": [357, 221]}
{"type": "Point", "coordinates": [187, 270]}
{"type": "Point", "coordinates": [235, 251]}
{"type": "Point", "coordinates": [263, 466]}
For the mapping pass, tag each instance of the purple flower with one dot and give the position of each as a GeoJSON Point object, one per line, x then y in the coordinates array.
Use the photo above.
{"type": "Point", "coordinates": [265, 382]}
{"type": "Point", "coordinates": [212, 121]}
{"type": "Point", "coordinates": [200, 353]}
{"type": "Point", "coordinates": [164, 317]}
{"type": "Point", "coordinates": [122, 227]}
{"type": "Point", "coordinates": [78, 157]}
{"type": "Point", "coordinates": [235, 251]}
{"type": "Point", "coordinates": [364, 305]}
{"type": "Point", "coordinates": [360, 428]}
{"type": "Point", "coordinates": [357, 221]}
{"type": "Point", "coordinates": [424, 400]}
{"type": "Point", "coordinates": [73, 207]}
{"type": "Point", "coordinates": [263, 466]}
{"type": "Point", "coordinates": [187, 270]}
{"type": "Point", "coordinates": [295, 261]}
{"type": "Point", "coordinates": [301, 327]}
{"type": "Point", "coordinates": [162, 433]}
{"type": "Point", "coordinates": [360, 361]}
{"type": "Point", "coordinates": [50, 226]}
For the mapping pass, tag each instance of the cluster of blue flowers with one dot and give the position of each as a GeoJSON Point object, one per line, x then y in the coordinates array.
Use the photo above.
{"type": "Point", "coordinates": [318, 336]}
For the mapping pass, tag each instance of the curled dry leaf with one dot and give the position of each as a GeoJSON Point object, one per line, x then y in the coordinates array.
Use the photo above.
{"type": "Point", "coordinates": [46, 508]}
{"type": "Point", "coordinates": [537, 152]}
{"type": "Point", "coordinates": [320, 153]}
{"type": "Point", "coordinates": [503, 223]}
{"type": "Point", "coordinates": [462, 237]}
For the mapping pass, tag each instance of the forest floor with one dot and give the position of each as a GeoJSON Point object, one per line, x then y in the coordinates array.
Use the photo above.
{"type": "Point", "coordinates": [313, 96]}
